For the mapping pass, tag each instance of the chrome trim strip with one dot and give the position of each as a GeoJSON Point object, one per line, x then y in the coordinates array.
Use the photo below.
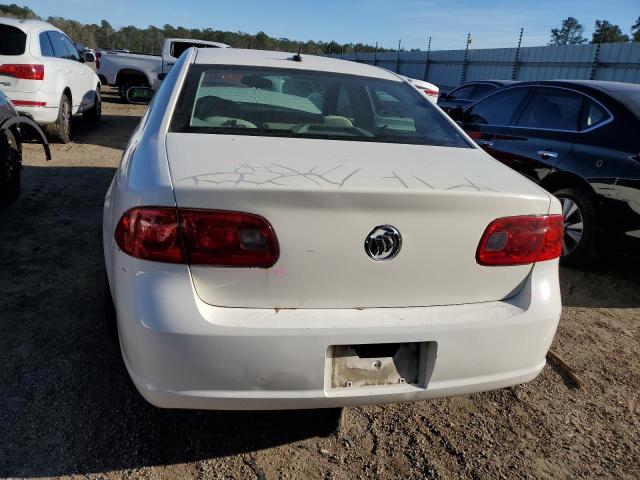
{"type": "Point", "coordinates": [590, 129]}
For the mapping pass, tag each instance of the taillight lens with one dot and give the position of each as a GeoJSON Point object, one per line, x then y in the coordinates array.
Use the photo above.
{"type": "Point", "coordinates": [150, 234]}
{"type": "Point", "coordinates": [198, 237]}
{"type": "Point", "coordinates": [23, 71]}
{"type": "Point", "coordinates": [433, 93]}
{"type": "Point", "coordinates": [521, 240]}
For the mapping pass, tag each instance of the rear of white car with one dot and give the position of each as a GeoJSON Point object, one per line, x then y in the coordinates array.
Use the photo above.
{"type": "Point", "coordinates": [429, 90]}
{"type": "Point", "coordinates": [367, 253]}
{"type": "Point", "coordinates": [41, 72]}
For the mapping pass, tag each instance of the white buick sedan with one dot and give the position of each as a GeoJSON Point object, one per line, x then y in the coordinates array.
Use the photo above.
{"type": "Point", "coordinates": [301, 232]}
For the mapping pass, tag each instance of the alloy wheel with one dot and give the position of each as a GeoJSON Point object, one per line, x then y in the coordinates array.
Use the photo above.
{"type": "Point", "coordinates": [573, 225]}
{"type": "Point", "coordinates": [66, 117]}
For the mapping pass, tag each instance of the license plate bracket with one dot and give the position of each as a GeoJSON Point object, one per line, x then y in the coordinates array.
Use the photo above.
{"type": "Point", "coordinates": [376, 365]}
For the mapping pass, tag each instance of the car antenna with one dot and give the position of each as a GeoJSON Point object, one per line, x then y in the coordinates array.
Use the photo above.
{"type": "Point", "coordinates": [298, 56]}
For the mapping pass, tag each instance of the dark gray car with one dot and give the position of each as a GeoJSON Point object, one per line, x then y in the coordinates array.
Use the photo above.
{"type": "Point", "coordinates": [14, 130]}
{"type": "Point", "coordinates": [469, 93]}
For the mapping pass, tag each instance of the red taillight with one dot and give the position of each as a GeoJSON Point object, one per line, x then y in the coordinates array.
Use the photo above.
{"type": "Point", "coordinates": [433, 93]}
{"type": "Point", "coordinates": [198, 237]}
{"type": "Point", "coordinates": [150, 234]}
{"type": "Point", "coordinates": [521, 240]}
{"type": "Point", "coordinates": [23, 71]}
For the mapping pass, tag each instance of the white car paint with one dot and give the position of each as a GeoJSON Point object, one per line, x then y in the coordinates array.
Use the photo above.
{"type": "Point", "coordinates": [225, 338]}
{"type": "Point", "coordinates": [113, 63]}
{"type": "Point", "coordinates": [60, 75]}
{"type": "Point", "coordinates": [429, 90]}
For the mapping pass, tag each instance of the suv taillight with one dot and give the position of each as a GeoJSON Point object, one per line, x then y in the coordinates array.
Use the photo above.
{"type": "Point", "coordinates": [197, 237]}
{"type": "Point", "coordinates": [433, 93]}
{"type": "Point", "coordinates": [521, 240]}
{"type": "Point", "coordinates": [23, 71]}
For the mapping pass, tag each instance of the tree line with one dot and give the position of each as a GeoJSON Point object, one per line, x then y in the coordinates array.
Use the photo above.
{"type": "Point", "coordinates": [571, 33]}
{"type": "Point", "coordinates": [149, 40]}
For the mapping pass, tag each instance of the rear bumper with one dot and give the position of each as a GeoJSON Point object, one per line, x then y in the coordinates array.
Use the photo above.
{"type": "Point", "coordinates": [42, 114]}
{"type": "Point", "coordinates": [183, 353]}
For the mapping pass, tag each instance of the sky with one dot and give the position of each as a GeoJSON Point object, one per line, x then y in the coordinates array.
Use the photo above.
{"type": "Point", "coordinates": [492, 23]}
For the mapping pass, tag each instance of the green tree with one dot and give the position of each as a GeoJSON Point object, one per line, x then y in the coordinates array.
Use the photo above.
{"type": "Point", "coordinates": [635, 31]}
{"type": "Point", "coordinates": [15, 11]}
{"type": "Point", "coordinates": [570, 33]}
{"type": "Point", "coordinates": [606, 32]}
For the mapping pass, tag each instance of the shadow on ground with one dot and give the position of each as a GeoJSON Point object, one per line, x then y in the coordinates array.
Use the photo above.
{"type": "Point", "coordinates": [66, 404]}
{"type": "Point", "coordinates": [616, 274]}
{"type": "Point", "coordinates": [113, 131]}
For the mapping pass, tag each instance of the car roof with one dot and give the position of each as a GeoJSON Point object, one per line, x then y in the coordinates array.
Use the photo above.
{"type": "Point", "coordinates": [601, 85]}
{"type": "Point", "coordinates": [497, 83]}
{"type": "Point", "coordinates": [265, 58]}
{"type": "Point", "coordinates": [27, 25]}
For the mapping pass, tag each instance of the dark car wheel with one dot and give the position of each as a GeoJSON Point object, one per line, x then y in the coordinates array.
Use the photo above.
{"type": "Point", "coordinates": [10, 165]}
{"type": "Point", "coordinates": [579, 242]}
{"type": "Point", "coordinates": [94, 114]}
{"type": "Point", "coordinates": [60, 130]}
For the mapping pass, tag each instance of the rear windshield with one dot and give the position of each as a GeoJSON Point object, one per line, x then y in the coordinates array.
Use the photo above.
{"type": "Point", "coordinates": [12, 40]}
{"type": "Point", "coordinates": [296, 103]}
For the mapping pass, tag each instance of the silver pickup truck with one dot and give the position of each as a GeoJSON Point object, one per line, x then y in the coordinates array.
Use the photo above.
{"type": "Point", "coordinates": [125, 70]}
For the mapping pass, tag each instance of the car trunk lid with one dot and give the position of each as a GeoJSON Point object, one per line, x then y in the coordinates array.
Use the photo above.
{"type": "Point", "coordinates": [323, 198]}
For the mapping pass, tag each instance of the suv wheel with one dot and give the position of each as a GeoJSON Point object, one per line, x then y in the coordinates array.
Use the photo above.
{"type": "Point", "coordinates": [579, 241]}
{"type": "Point", "coordinates": [10, 165]}
{"type": "Point", "coordinates": [94, 114]}
{"type": "Point", "coordinates": [60, 130]}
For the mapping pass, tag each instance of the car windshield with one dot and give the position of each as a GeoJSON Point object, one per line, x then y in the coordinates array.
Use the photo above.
{"type": "Point", "coordinates": [12, 40]}
{"type": "Point", "coordinates": [307, 104]}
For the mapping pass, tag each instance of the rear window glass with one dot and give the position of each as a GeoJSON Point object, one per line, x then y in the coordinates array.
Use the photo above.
{"type": "Point", "coordinates": [552, 108]}
{"type": "Point", "coordinates": [306, 104]}
{"type": "Point", "coordinates": [593, 114]}
{"type": "Point", "coordinates": [178, 48]}
{"type": "Point", "coordinates": [12, 40]}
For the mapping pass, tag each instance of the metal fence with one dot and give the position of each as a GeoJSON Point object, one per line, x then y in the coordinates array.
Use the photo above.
{"type": "Point", "coordinates": [449, 68]}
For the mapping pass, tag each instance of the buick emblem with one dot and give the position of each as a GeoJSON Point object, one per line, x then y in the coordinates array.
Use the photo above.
{"type": "Point", "coordinates": [383, 243]}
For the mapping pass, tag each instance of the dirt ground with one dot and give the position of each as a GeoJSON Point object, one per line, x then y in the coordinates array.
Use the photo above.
{"type": "Point", "coordinates": [67, 410]}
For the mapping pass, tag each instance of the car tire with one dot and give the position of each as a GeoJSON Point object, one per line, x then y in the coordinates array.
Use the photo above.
{"type": "Point", "coordinates": [579, 247]}
{"type": "Point", "coordinates": [60, 130]}
{"type": "Point", "coordinates": [94, 114]}
{"type": "Point", "coordinates": [111, 321]}
{"type": "Point", "coordinates": [10, 167]}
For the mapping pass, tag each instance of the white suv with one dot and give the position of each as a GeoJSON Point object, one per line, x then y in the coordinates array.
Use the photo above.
{"type": "Point", "coordinates": [45, 77]}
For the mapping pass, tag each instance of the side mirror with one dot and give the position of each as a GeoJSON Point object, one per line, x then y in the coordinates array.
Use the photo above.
{"type": "Point", "coordinates": [140, 95]}
{"type": "Point", "coordinates": [89, 57]}
{"type": "Point", "coordinates": [456, 114]}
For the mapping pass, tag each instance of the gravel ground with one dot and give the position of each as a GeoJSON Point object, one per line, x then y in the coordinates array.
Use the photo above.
{"type": "Point", "coordinates": [67, 409]}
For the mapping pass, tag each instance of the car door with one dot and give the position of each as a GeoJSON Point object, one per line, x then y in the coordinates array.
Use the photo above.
{"type": "Point", "coordinates": [66, 67]}
{"type": "Point", "coordinates": [487, 119]}
{"type": "Point", "coordinates": [82, 77]}
{"type": "Point", "coordinates": [543, 133]}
